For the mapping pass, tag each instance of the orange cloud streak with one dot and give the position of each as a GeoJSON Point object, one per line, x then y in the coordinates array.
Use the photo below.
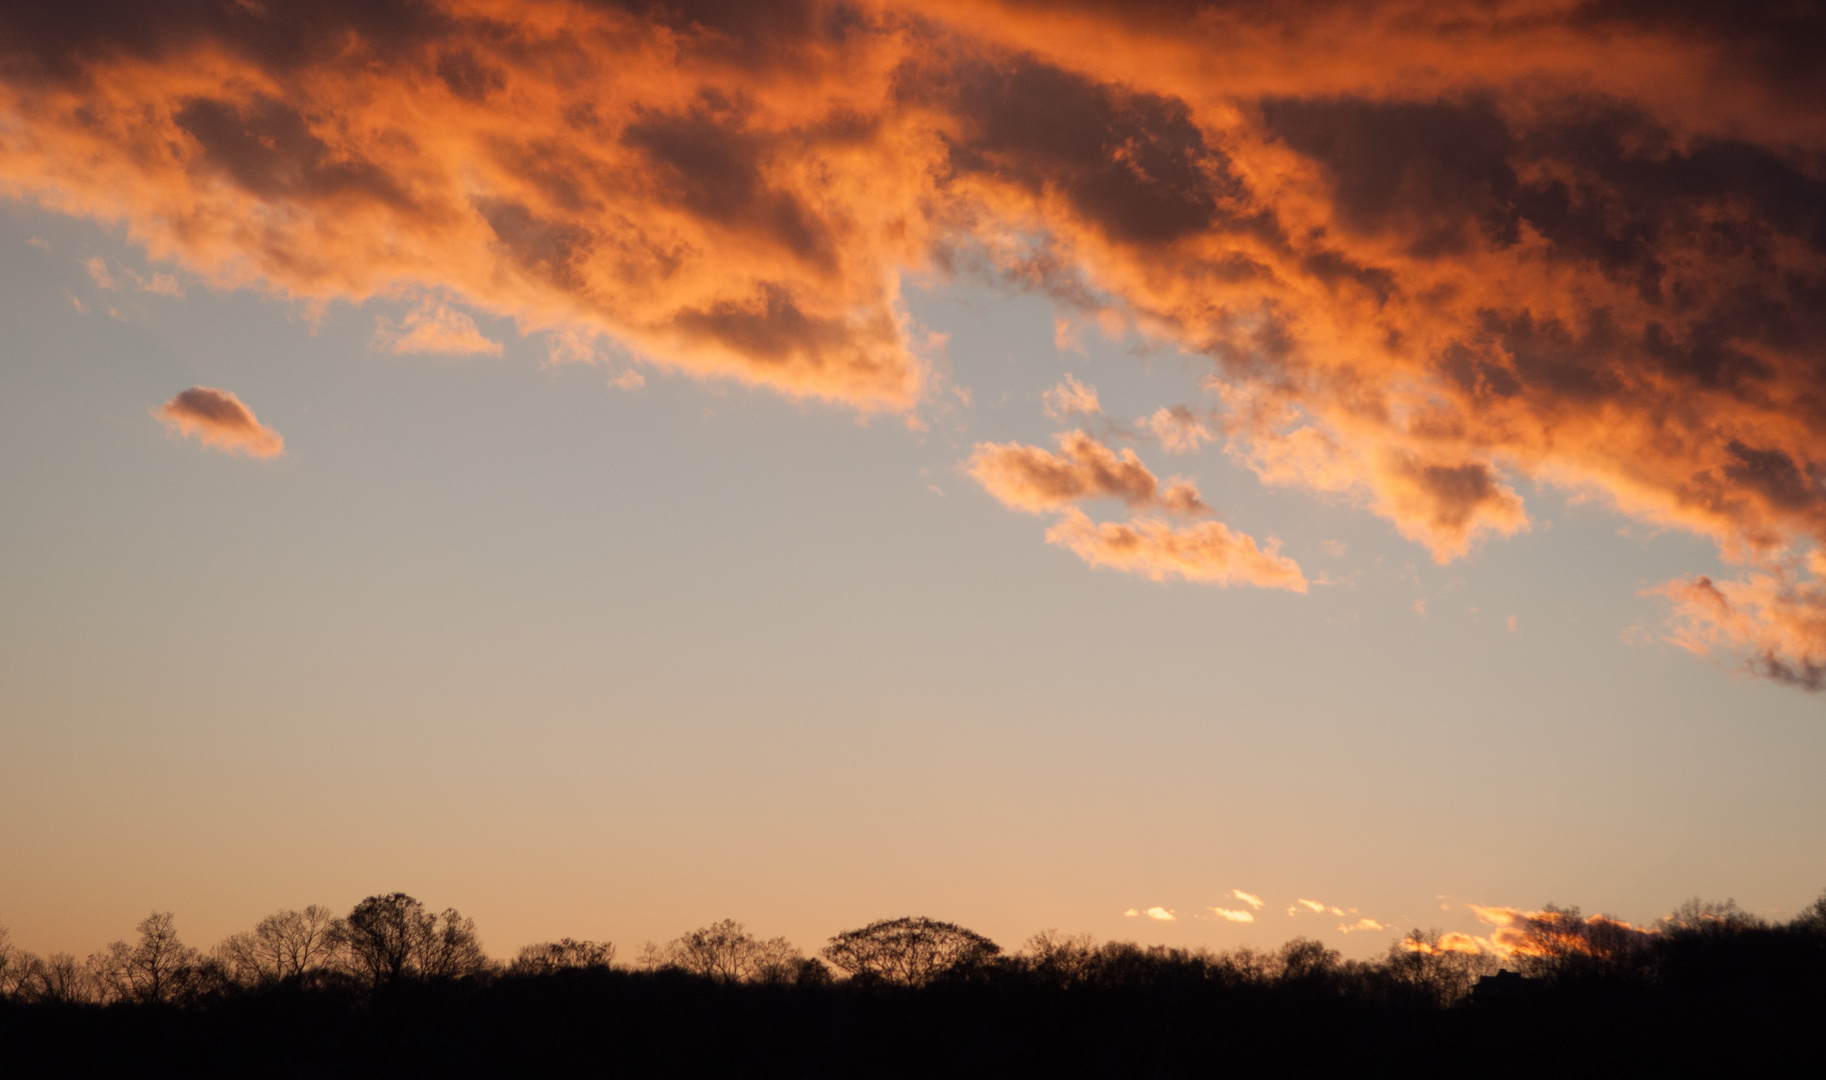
{"type": "Point", "coordinates": [1207, 552]}
{"type": "Point", "coordinates": [217, 418]}
{"type": "Point", "coordinates": [1031, 479]}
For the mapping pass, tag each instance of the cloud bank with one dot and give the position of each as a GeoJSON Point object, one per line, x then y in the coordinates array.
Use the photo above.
{"type": "Point", "coordinates": [1434, 253]}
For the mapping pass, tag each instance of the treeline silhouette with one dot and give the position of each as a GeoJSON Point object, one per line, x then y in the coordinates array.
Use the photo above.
{"type": "Point", "coordinates": [394, 989]}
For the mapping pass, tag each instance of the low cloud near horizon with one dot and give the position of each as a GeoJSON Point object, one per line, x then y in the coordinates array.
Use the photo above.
{"type": "Point", "coordinates": [218, 419]}
{"type": "Point", "coordinates": [1431, 255]}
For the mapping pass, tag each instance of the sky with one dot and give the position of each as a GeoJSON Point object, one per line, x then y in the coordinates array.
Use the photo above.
{"type": "Point", "coordinates": [1198, 474]}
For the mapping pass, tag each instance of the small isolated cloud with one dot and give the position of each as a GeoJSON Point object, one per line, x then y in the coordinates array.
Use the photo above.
{"type": "Point", "coordinates": [1130, 913]}
{"type": "Point", "coordinates": [1178, 428]}
{"type": "Point", "coordinates": [1334, 548]}
{"type": "Point", "coordinates": [1070, 397]}
{"type": "Point", "coordinates": [40, 243]}
{"type": "Point", "coordinates": [81, 308]}
{"type": "Point", "coordinates": [1420, 607]}
{"type": "Point", "coordinates": [98, 269]}
{"type": "Point", "coordinates": [218, 419]}
{"type": "Point", "coordinates": [1251, 899]}
{"type": "Point", "coordinates": [1313, 904]}
{"type": "Point", "coordinates": [1035, 480]}
{"type": "Point", "coordinates": [1207, 552]}
{"type": "Point", "coordinates": [1233, 915]}
{"type": "Point", "coordinates": [1511, 622]}
{"type": "Point", "coordinates": [1161, 914]}
{"type": "Point", "coordinates": [433, 328]}
{"type": "Point", "coordinates": [628, 379]}
{"type": "Point", "coordinates": [1361, 924]}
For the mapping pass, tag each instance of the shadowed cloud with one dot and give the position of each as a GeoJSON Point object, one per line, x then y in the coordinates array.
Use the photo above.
{"type": "Point", "coordinates": [218, 419]}
{"type": "Point", "coordinates": [1431, 254]}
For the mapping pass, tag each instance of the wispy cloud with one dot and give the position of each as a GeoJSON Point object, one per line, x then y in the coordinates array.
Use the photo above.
{"type": "Point", "coordinates": [1207, 552]}
{"type": "Point", "coordinates": [433, 327]}
{"type": "Point", "coordinates": [1233, 915]}
{"type": "Point", "coordinates": [1251, 899]}
{"type": "Point", "coordinates": [1178, 428]}
{"type": "Point", "coordinates": [218, 419]}
{"type": "Point", "coordinates": [1069, 398]}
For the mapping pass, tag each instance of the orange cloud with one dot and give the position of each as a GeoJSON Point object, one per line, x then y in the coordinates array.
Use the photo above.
{"type": "Point", "coordinates": [1553, 932]}
{"type": "Point", "coordinates": [1071, 396]}
{"type": "Point", "coordinates": [1031, 479]}
{"type": "Point", "coordinates": [1454, 941]}
{"type": "Point", "coordinates": [1206, 552]}
{"type": "Point", "coordinates": [218, 418]}
{"type": "Point", "coordinates": [1775, 623]}
{"type": "Point", "coordinates": [1233, 915]}
{"type": "Point", "coordinates": [1432, 253]}
{"type": "Point", "coordinates": [1179, 430]}
{"type": "Point", "coordinates": [1251, 899]}
{"type": "Point", "coordinates": [433, 328]}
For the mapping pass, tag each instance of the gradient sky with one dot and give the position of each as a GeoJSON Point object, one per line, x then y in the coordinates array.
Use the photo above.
{"type": "Point", "coordinates": [611, 468]}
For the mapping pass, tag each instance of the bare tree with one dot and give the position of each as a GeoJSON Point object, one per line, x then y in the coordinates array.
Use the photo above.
{"type": "Point", "coordinates": [1698, 916]}
{"type": "Point", "coordinates": [1304, 959]}
{"type": "Point", "coordinates": [549, 956]}
{"type": "Point", "coordinates": [19, 969]}
{"type": "Point", "coordinates": [157, 968]}
{"type": "Point", "coordinates": [912, 951]}
{"type": "Point", "coordinates": [61, 978]}
{"type": "Point", "coordinates": [1437, 968]}
{"type": "Point", "coordinates": [1813, 917]}
{"type": "Point", "coordinates": [285, 945]}
{"type": "Point", "coordinates": [450, 948]}
{"type": "Point", "coordinates": [393, 936]}
{"type": "Point", "coordinates": [728, 952]}
{"type": "Point", "coordinates": [1059, 959]}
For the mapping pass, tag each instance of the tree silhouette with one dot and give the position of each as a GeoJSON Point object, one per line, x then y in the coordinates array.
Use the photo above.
{"type": "Point", "coordinates": [549, 956]}
{"type": "Point", "coordinates": [153, 970]}
{"type": "Point", "coordinates": [392, 936]}
{"type": "Point", "coordinates": [727, 952]}
{"type": "Point", "coordinates": [911, 951]}
{"type": "Point", "coordinates": [285, 945]}
{"type": "Point", "coordinates": [1813, 917]}
{"type": "Point", "coordinates": [1434, 968]}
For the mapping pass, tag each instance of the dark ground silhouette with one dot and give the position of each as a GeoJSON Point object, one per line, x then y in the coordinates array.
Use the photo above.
{"type": "Point", "coordinates": [396, 991]}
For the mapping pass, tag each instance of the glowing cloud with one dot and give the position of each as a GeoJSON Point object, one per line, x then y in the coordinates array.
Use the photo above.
{"type": "Point", "coordinates": [1313, 905]}
{"type": "Point", "coordinates": [1161, 914]}
{"type": "Point", "coordinates": [1178, 429]}
{"type": "Point", "coordinates": [1031, 479]}
{"type": "Point", "coordinates": [1361, 924]}
{"type": "Point", "coordinates": [1248, 898]}
{"type": "Point", "coordinates": [1206, 552]}
{"type": "Point", "coordinates": [433, 328]}
{"type": "Point", "coordinates": [1233, 915]}
{"type": "Point", "coordinates": [1576, 249]}
{"type": "Point", "coordinates": [1069, 397]}
{"type": "Point", "coordinates": [1774, 623]}
{"type": "Point", "coordinates": [1554, 932]}
{"type": "Point", "coordinates": [218, 419]}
